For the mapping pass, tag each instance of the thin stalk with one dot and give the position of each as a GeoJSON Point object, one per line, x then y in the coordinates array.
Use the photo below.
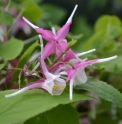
{"type": "Point", "coordinates": [7, 7]}
{"type": "Point", "coordinates": [19, 69]}
{"type": "Point", "coordinates": [18, 16]}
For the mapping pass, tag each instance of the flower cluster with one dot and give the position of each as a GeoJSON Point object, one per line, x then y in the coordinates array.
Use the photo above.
{"type": "Point", "coordinates": [68, 67]}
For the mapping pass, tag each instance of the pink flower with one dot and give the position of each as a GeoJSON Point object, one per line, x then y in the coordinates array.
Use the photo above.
{"type": "Point", "coordinates": [76, 74]}
{"type": "Point", "coordinates": [56, 41]}
{"type": "Point", "coordinates": [51, 82]}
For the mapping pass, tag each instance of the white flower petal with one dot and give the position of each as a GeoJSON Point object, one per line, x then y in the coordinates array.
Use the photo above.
{"type": "Point", "coordinates": [73, 61]}
{"type": "Point", "coordinates": [59, 85]}
{"type": "Point", "coordinates": [48, 86]}
{"type": "Point", "coordinates": [80, 77]}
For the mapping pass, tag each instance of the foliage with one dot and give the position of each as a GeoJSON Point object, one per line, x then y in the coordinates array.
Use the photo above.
{"type": "Point", "coordinates": [8, 51]}
{"type": "Point", "coordinates": [32, 103]}
{"type": "Point", "coordinates": [98, 100]}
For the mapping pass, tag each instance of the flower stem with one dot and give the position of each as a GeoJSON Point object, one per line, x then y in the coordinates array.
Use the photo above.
{"type": "Point", "coordinates": [19, 69]}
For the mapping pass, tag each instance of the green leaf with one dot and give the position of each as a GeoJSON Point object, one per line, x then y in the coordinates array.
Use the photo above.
{"type": "Point", "coordinates": [63, 114]}
{"type": "Point", "coordinates": [103, 90]}
{"type": "Point", "coordinates": [37, 120]}
{"type": "Point", "coordinates": [11, 49]}
{"type": "Point", "coordinates": [30, 8]}
{"type": "Point", "coordinates": [24, 58]}
{"type": "Point", "coordinates": [107, 28]}
{"type": "Point", "coordinates": [31, 103]}
{"type": "Point", "coordinates": [105, 21]}
{"type": "Point", "coordinates": [1, 66]}
{"type": "Point", "coordinates": [71, 43]}
{"type": "Point", "coordinates": [76, 37]}
{"type": "Point", "coordinates": [5, 18]}
{"type": "Point", "coordinates": [112, 32]}
{"type": "Point", "coordinates": [92, 40]}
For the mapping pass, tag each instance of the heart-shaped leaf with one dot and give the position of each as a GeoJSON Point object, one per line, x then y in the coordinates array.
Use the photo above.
{"type": "Point", "coordinates": [11, 49]}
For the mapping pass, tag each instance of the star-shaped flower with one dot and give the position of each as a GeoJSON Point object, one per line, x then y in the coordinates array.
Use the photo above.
{"type": "Point", "coordinates": [56, 41]}
{"type": "Point", "coordinates": [77, 75]}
